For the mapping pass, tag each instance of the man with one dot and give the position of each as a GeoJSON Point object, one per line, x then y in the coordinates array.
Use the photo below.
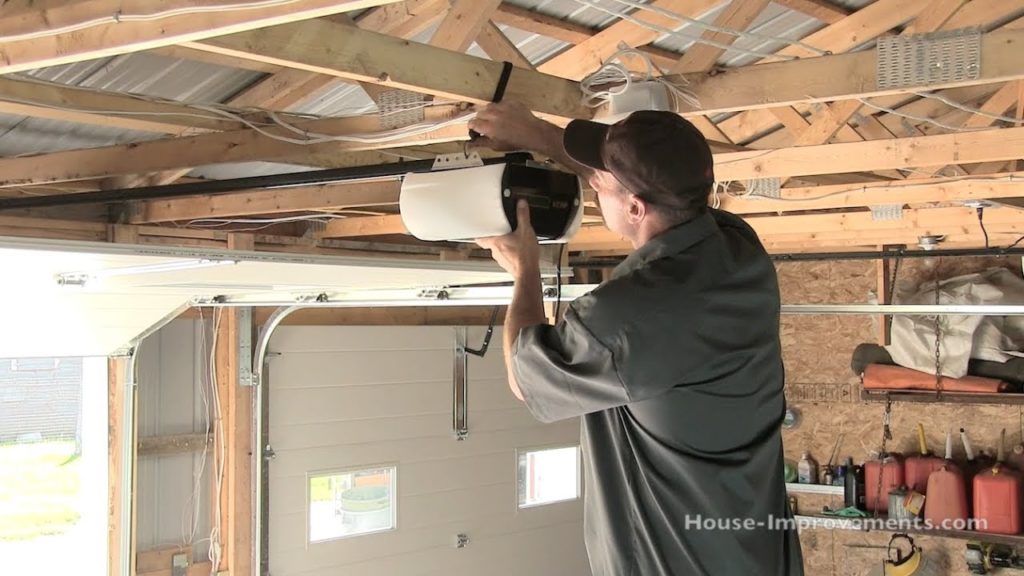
{"type": "Point", "coordinates": [674, 363]}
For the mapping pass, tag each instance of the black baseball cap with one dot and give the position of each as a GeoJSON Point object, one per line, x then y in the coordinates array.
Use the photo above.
{"type": "Point", "coordinates": [659, 156]}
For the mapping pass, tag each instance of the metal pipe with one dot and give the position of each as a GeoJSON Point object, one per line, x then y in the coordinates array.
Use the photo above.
{"type": "Point", "coordinates": [329, 176]}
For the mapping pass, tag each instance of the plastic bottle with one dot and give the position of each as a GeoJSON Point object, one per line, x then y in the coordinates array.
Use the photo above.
{"type": "Point", "coordinates": [807, 470]}
{"type": "Point", "coordinates": [853, 485]}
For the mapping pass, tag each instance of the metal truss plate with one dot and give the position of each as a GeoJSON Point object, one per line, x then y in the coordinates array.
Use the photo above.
{"type": "Point", "coordinates": [764, 187]}
{"type": "Point", "coordinates": [887, 212]}
{"type": "Point", "coordinates": [399, 108]}
{"type": "Point", "coordinates": [457, 160]}
{"type": "Point", "coordinates": [924, 59]}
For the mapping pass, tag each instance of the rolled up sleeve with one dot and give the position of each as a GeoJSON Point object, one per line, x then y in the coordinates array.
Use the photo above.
{"type": "Point", "coordinates": [565, 371]}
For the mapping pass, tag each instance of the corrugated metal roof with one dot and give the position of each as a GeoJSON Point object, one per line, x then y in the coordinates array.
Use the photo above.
{"type": "Point", "coordinates": [200, 82]}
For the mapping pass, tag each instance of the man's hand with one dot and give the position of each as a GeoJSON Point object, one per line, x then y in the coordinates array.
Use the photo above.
{"type": "Point", "coordinates": [508, 126]}
{"type": "Point", "coordinates": [517, 252]}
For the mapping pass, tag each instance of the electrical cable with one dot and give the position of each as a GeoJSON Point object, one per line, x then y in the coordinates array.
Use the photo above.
{"type": "Point", "coordinates": [215, 532]}
{"type": "Point", "coordinates": [725, 30]}
{"type": "Point", "coordinates": [614, 72]}
{"type": "Point", "coordinates": [1015, 242]}
{"type": "Point", "coordinates": [965, 107]}
{"type": "Point", "coordinates": [118, 18]}
{"type": "Point", "coordinates": [981, 222]}
{"type": "Point", "coordinates": [668, 31]}
{"type": "Point", "coordinates": [931, 121]}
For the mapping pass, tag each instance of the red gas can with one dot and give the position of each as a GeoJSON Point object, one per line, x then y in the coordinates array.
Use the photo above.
{"type": "Point", "coordinates": [947, 492]}
{"type": "Point", "coordinates": [997, 497]}
{"type": "Point", "coordinates": [887, 471]}
{"type": "Point", "coordinates": [919, 467]}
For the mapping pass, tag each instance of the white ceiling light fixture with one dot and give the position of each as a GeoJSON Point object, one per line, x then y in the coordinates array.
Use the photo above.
{"type": "Point", "coordinates": [82, 279]}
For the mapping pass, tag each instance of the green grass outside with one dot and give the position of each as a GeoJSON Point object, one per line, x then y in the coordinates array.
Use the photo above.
{"type": "Point", "coordinates": [38, 489]}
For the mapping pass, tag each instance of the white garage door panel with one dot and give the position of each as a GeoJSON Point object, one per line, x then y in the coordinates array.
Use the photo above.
{"type": "Point", "coordinates": [393, 428]}
{"type": "Point", "coordinates": [420, 449]}
{"type": "Point", "coordinates": [538, 549]}
{"type": "Point", "coordinates": [343, 398]}
{"type": "Point", "coordinates": [436, 540]}
{"type": "Point", "coordinates": [365, 368]}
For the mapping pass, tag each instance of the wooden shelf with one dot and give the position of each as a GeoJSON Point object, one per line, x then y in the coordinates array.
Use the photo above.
{"type": "Point", "coordinates": [946, 397]}
{"type": "Point", "coordinates": [814, 489]}
{"type": "Point", "coordinates": [820, 521]}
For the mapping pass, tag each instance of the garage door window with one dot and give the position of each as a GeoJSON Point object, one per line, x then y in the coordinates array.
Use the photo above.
{"type": "Point", "coordinates": [351, 503]}
{"type": "Point", "coordinates": [549, 475]}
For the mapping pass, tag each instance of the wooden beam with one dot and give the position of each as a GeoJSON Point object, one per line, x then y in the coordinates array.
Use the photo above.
{"type": "Point", "coordinates": [745, 127]}
{"type": "Point", "coordinates": [234, 440]}
{"type": "Point", "coordinates": [463, 24]}
{"type": "Point", "coordinates": [403, 19]}
{"type": "Point", "coordinates": [736, 16]}
{"type": "Point", "coordinates": [86, 106]}
{"type": "Point", "coordinates": [588, 55]}
{"type": "Point", "coordinates": [89, 29]}
{"type": "Point", "coordinates": [821, 9]}
{"type": "Point", "coordinates": [117, 369]}
{"type": "Point", "coordinates": [983, 146]}
{"type": "Point", "coordinates": [869, 22]}
{"type": "Point", "coordinates": [847, 227]}
{"type": "Point", "coordinates": [274, 201]}
{"type": "Point", "coordinates": [176, 444]}
{"type": "Point", "coordinates": [197, 569]}
{"type": "Point", "coordinates": [498, 46]}
{"type": "Point", "coordinates": [235, 146]}
{"type": "Point", "coordinates": [330, 48]}
{"type": "Point", "coordinates": [833, 197]}
{"type": "Point", "coordinates": [934, 17]}
{"type": "Point", "coordinates": [364, 226]}
{"type": "Point", "coordinates": [157, 559]}
{"type": "Point", "coordinates": [566, 31]}
{"type": "Point", "coordinates": [838, 77]}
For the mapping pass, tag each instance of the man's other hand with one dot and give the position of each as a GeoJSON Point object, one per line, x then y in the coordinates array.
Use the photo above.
{"type": "Point", "coordinates": [518, 252]}
{"type": "Point", "coordinates": [508, 126]}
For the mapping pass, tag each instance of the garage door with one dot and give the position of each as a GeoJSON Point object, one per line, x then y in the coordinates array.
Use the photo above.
{"type": "Point", "coordinates": [61, 298]}
{"type": "Point", "coordinates": [368, 478]}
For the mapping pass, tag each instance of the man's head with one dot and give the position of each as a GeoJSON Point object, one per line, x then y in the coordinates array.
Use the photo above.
{"type": "Point", "coordinates": [649, 166]}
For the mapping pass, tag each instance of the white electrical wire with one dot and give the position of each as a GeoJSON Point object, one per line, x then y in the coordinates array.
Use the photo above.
{"type": "Point", "coordinates": [670, 32]}
{"type": "Point", "coordinates": [194, 500]}
{"type": "Point", "coordinates": [722, 29]}
{"type": "Point", "coordinates": [925, 119]}
{"type": "Point", "coordinates": [118, 17]}
{"type": "Point", "coordinates": [614, 78]}
{"type": "Point", "coordinates": [965, 107]}
{"type": "Point", "coordinates": [215, 532]}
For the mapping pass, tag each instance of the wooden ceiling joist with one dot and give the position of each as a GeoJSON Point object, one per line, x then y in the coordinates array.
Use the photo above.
{"type": "Point", "coordinates": [330, 48]}
{"type": "Point", "coordinates": [236, 146]}
{"type": "Point", "coordinates": [324, 197]}
{"type": "Point", "coordinates": [35, 36]}
{"type": "Point", "coordinates": [838, 77]}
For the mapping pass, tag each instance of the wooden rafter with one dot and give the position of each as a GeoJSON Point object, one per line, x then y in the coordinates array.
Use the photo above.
{"type": "Point", "coordinates": [702, 57]}
{"type": "Point", "coordinates": [274, 201]}
{"type": "Point", "coordinates": [463, 24]}
{"type": "Point", "coordinates": [821, 9]}
{"type": "Point", "coordinates": [235, 146]}
{"type": "Point", "coordinates": [35, 37]}
{"type": "Point", "coordinates": [329, 48]}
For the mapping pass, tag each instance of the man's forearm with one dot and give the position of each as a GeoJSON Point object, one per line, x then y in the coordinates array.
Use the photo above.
{"type": "Point", "coordinates": [526, 309]}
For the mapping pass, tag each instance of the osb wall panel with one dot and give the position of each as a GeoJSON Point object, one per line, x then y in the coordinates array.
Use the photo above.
{"type": "Point", "coordinates": [817, 353]}
{"type": "Point", "coordinates": [817, 348]}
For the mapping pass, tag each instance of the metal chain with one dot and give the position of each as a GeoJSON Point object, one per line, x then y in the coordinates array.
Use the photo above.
{"type": "Point", "coordinates": [892, 281]}
{"type": "Point", "coordinates": [938, 337]}
{"type": "Point", "coordinates": [886, 435]}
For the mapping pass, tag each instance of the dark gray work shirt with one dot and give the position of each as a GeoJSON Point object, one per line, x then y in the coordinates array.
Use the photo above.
{"type": "Point", "coordinates": [676, 367]}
